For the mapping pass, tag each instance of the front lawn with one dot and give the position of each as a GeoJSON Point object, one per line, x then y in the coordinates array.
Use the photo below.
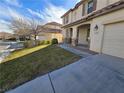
{"type": "Point", "coordinates": [24, 65]}
{"type": "Point", "coordinates": [23, 52]}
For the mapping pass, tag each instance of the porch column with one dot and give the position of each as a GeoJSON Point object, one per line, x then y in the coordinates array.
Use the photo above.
{"type": "Point", "coordinates": [74, 36]}
{"type": "Point", "coordinates": [68, 36]}
{"type": "Point", "coordinates": [65, 36]}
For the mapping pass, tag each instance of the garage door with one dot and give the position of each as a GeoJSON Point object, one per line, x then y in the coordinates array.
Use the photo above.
{"type": "Point", "coordinates": [113, 42]}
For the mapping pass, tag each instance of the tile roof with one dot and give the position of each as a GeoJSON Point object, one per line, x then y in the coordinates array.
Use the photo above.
{"type": "Point", "coordinates": [47, 29]}
{"type": "Point", "coordinates": [54, 23]}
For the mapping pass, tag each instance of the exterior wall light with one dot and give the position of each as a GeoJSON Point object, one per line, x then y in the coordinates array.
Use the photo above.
{"type": "Point", "coordinates": [96, 27]}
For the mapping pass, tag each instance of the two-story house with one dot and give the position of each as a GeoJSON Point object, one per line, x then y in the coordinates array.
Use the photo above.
{"type": "Point", "coordinates": [97, 24]}
{"type": "Point", "coordinates": [52, 30]}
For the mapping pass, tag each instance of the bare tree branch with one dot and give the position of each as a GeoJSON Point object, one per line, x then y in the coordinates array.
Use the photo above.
{"type": "Point", "coordinates": [26, 27]}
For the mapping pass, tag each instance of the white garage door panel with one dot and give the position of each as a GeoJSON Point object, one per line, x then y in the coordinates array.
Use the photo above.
{"type": "Point", "coordinates": [113, 43]}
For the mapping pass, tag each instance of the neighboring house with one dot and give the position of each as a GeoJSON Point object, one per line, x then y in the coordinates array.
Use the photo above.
{"type": "Point", "coordinates": [97, 24]}
{"type": "Point", "coordinates": [5, 36]}
{"type": "Point", "coordinates": [53, 30]}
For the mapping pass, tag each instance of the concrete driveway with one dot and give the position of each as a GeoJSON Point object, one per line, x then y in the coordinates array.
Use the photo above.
{"type": "Point", "coordinates": [94, 74]}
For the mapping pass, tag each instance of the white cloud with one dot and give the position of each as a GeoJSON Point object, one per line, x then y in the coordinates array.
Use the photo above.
{"type": "Point", "coordinates": [13, 2]}
{"type": "Point", "coordinates": [50, 13]}
{"type": "Point", "coordinates": [71, 3]}
{"type": "Point", "coordinates": [13, 13]}
{"type": "Point", "coordinates": [78, 1]}
{"type": "Point", "coordinates": [53, 13]}
{"type": "Point", "coordinates": [38, 14]}
{"type": "Point", "coordinates": [8, 14]}
{"type": "Point", "coordinates": [4, 22]}
{"type": "Point", "coordinates": [3, 10]}
{"type": "Point", "coordinates": [4, 26]}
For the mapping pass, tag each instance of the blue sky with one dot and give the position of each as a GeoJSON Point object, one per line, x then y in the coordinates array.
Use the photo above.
{"type": "Point", "coordinates": [41, 10]}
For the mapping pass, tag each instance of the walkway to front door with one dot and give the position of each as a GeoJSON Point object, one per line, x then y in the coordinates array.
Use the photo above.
{"type": "Point", "coordinates": [79, 50]}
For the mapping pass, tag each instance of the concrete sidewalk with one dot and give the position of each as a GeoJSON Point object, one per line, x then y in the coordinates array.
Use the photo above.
{"type": "Point", "coordinates": [94, 74]}
{"type": "Point", "coordinates": [75, 51]}
{"type": "Point", "coordinates": [39, 85]}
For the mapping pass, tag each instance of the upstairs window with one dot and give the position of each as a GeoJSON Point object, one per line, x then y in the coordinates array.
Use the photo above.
{"type": "Point", "coordinates": [90, 6]}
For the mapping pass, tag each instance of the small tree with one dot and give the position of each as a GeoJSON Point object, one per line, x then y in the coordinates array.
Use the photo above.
{"type": "Point", "coordinates": [20, 27]}
{"type": "Point", "coordinates": [26, 27]}
{"type": "Point", "coordinates": [34, 28]}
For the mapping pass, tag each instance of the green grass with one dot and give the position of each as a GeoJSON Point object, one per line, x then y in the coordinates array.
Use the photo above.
{"type": "Point", "coordinates": [24, 65]}
{"type": "Point", "coordinates": [23, 52]}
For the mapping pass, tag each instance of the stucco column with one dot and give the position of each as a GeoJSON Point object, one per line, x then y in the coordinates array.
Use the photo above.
{"type": "Point", "coordinates": [67, 37]}
{"type": "Point", "coordinates": [74, 37]}
{"type": "Point", "coordinates": [64, 33]}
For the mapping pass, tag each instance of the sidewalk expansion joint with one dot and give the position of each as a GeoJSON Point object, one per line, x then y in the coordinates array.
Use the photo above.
{"type": "Point", "coordinates": [51, 83]}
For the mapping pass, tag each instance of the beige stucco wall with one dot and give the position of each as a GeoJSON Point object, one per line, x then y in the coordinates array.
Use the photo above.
{"type": "Point", "coordinates": [78, 11]}
{"type": "Point", "coordinates": [70, 17]}
{"type": "Point", "coordinates": [112, 1]}
{"type": "Point", "coordinates": [53, 26]}
{"type": "Point", "coordinates": [103, 3]}
{"type": "Point", "coordinates": [75, 15]}
{"type": "Point", "coordinates": [57, 36]}
{"type": "Point", "coordinates": [50, 36]}
{"type": "Point", "coordinates": [97, 36]}
{"type": "Point", "coordinates": [82, 35]}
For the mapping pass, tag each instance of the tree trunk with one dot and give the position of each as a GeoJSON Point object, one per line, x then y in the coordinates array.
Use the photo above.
{"type": "Point", "coordinates": [35, 38]}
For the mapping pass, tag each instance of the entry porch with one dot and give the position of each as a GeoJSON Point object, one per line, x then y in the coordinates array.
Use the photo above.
{"type": "Point", "coordinates": [78, 36]}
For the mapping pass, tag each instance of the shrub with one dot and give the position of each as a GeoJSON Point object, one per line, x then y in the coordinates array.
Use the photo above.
{"type": "Point", "coordinates": [32, 43]}
{"type": "Point", "coordinates": [37, 42]}
{"type": "Point", "coordinates": [29, 44]}
{"type": "Point", "coordinates": [25, 44]}
{"type": "Point", "coordinates": [47, 42]}
{"type": "Point", "coordinates": [42, 42]}
{"type": "Point", "coordinates": [54, 41]}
